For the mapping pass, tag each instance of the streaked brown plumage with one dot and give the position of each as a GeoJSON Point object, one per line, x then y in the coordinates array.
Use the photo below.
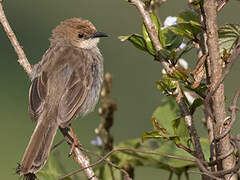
{"type": "Point", "coordinates": [65, 83]}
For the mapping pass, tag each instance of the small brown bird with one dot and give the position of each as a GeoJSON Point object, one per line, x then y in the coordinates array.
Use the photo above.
{"type": "Point", "coordinates": [65, 83]}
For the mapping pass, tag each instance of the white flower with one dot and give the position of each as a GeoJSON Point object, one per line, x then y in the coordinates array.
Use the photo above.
{"type": "Point", "coordinates": [164, 71]}
{"type": "Point", "coordinates": [182, 46]}
{"type": "Point", "coordinates": [182, 62]}
{"type": "Point", "coordinates": [97, 142]}
{"type": "Point", "coordinates": [169, 21]}
{"type": "Point", "coordinates": [190, 97]}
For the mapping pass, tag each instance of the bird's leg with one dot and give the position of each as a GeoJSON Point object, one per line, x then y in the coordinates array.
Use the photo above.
{"type": "Point", "coordinates": [75, 142]}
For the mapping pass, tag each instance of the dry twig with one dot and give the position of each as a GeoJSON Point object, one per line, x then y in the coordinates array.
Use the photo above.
{"type": "Point", "coordinates": [104, 158]}
{"type": "Point", "coordinates": [221, 5]}
{"type": "Point", "coordinates": [233, 109]}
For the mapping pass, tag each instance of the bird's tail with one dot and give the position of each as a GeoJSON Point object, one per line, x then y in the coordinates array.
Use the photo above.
{"type": "Point", "coordinates": [37, 151]}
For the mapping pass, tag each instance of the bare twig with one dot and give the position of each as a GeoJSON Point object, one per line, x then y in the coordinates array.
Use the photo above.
{"type": "Point", "coordinates": [190, 124]}
{"type": "Point", "coordinates": [199, 73]}
{"type": "Point", "coordinates": [221, 5]}
{"type": "Point", "coordinates": [104, 158]}
{"type": "Point", "coordinates": [106, 112]}
{"type": "Point", "coordinates": [233, 109]}
{"type": "Point", "coordinates": [58, 144]}
{"type": "Point", "coordinates": [126, 174]}
{"type": "Point", "coordinates": [232, 60]}
{"type": "Point", "coordinates": [79, 157]}
{"type": "Point", "coordinates": [22, 59]}
{"type": "Point", "coordinates": [203, 173]}
{"type": "Point", "coordinates": [221, 157]}
{"type": "Point", "coordinates": [155, 153]}
{"type": "Point", "coordinates": [222, 173]}
{"type": "Point", "coordinates": [181, 146]}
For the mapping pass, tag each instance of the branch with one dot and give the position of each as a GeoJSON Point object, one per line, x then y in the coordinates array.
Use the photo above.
{"type": "Point", "coordinates": [218, 114]}
{"type": "Point", "coordinates": [148, 23]}
{"type": "Point", "coordinates": [233, 109]}
{"type": "Point", "coordinates": [202, 173]}
{"type": "Point", "coordinates": [106, 112]}
{"type": "Point", "coordinates": [190, 124]}
{"type": "Point", "coordinates": [222, 173]}
{"type": "Point", "coordinates": [79, 157]}
{"type": "Point", "coordinates": [151, 31]}
{"type": "Point", "coordinates": [222, 4]}
{"type": "Point", "coordinates": [104, 158]}
{"type": "Point", "coordinates": [232, 60]}
{"type": "Point", "coordinates": [23, 61]}
{"type": "Point", "coordinates": [169, 69]}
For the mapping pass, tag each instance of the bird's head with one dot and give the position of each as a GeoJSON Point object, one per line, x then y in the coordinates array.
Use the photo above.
{"type": "Point", "coordinates": [77, 32]}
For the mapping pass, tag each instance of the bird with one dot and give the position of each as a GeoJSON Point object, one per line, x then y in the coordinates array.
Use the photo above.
{"type": "Point", "coordinates": [66, 83]}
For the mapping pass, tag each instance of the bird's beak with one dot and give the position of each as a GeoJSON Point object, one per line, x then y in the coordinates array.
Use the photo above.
{"type": "Point", "coordinates": [99, 34]}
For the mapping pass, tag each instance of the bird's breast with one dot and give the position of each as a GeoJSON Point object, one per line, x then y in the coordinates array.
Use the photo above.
{"type": "Point", "coordinates": [96, 71]}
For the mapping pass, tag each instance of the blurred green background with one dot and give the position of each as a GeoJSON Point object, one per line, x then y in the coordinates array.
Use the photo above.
{"type": "Point", "coordinates": [134, 73]}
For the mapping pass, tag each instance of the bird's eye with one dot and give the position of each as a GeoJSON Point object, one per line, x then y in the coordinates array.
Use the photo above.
{"type": "Point", "coordinates": [80, 35]}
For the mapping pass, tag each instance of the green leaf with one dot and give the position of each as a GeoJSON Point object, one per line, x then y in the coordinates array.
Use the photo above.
{"type": "Point", "coordinates": [105, 172]}
{"type": "Point", "coordinates": [188, 25]}
{"type": "Point", "coordinates": [188, 16]}
{"type": "Point", "coordinates": [51, 171]}
{"type": "Point", "coordinates": [146, 37]}
{"type": "Point", "coordinates": [168, 124]}
{"type": "Point", "coordinates": [148, 41]}
{"type": "Point", "coordinates": [181, 31]}
{"type": "Point", "coordinates": [156, 22]}
{"type": "Point", "coordinates": [180, 130]}
{"type": "Point", "coordinates": [189, 46]}
{"type": "Point", "coordinates": [196, 4]}
{"type": "Point", "coordinates": [137, 40]}
{"type": "Point", "coordinates": [180, 74]}
{"type": "Point", "coordinates": [166, 112]}
{"type": "Point", "coordinates": [169, 39]}
{"type": "Point", "coordinates": [162, 161]}
{"type": "Point", "coordinates": [157, 126]}
{"type": "Point", "coordinates": [157, 146]}
{"type": "Point", "coordinates": [157, 135]}
{"type": "Point", "coordinates": [166, 54]}
{"type": "Point", "coordinates": [167, 85]}
{"type": "Point", "coordinates": [228, 37]}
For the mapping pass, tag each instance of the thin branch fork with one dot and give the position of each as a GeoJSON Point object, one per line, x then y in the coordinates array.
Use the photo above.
{"type": "Point", "coordinates": [223, 172]}
{"type": "Point", "coordinates": [233, 108]}
{"type": "Point", "coordinates": [198, 153]}
{"type": "Point", "coordinates": [23, 61]}
{"type": "Point", "coordinates": [105, 158]}
{"type": "Point", "coordinates": [232, 60]}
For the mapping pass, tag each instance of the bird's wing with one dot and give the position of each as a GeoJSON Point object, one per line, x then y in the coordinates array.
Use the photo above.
{"type": "Point", "coordinates": [62, 77]}
{"type": "Point", "coordinates": [77, 89]}
{"type": "Point", "coordinates": [37, 94]}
